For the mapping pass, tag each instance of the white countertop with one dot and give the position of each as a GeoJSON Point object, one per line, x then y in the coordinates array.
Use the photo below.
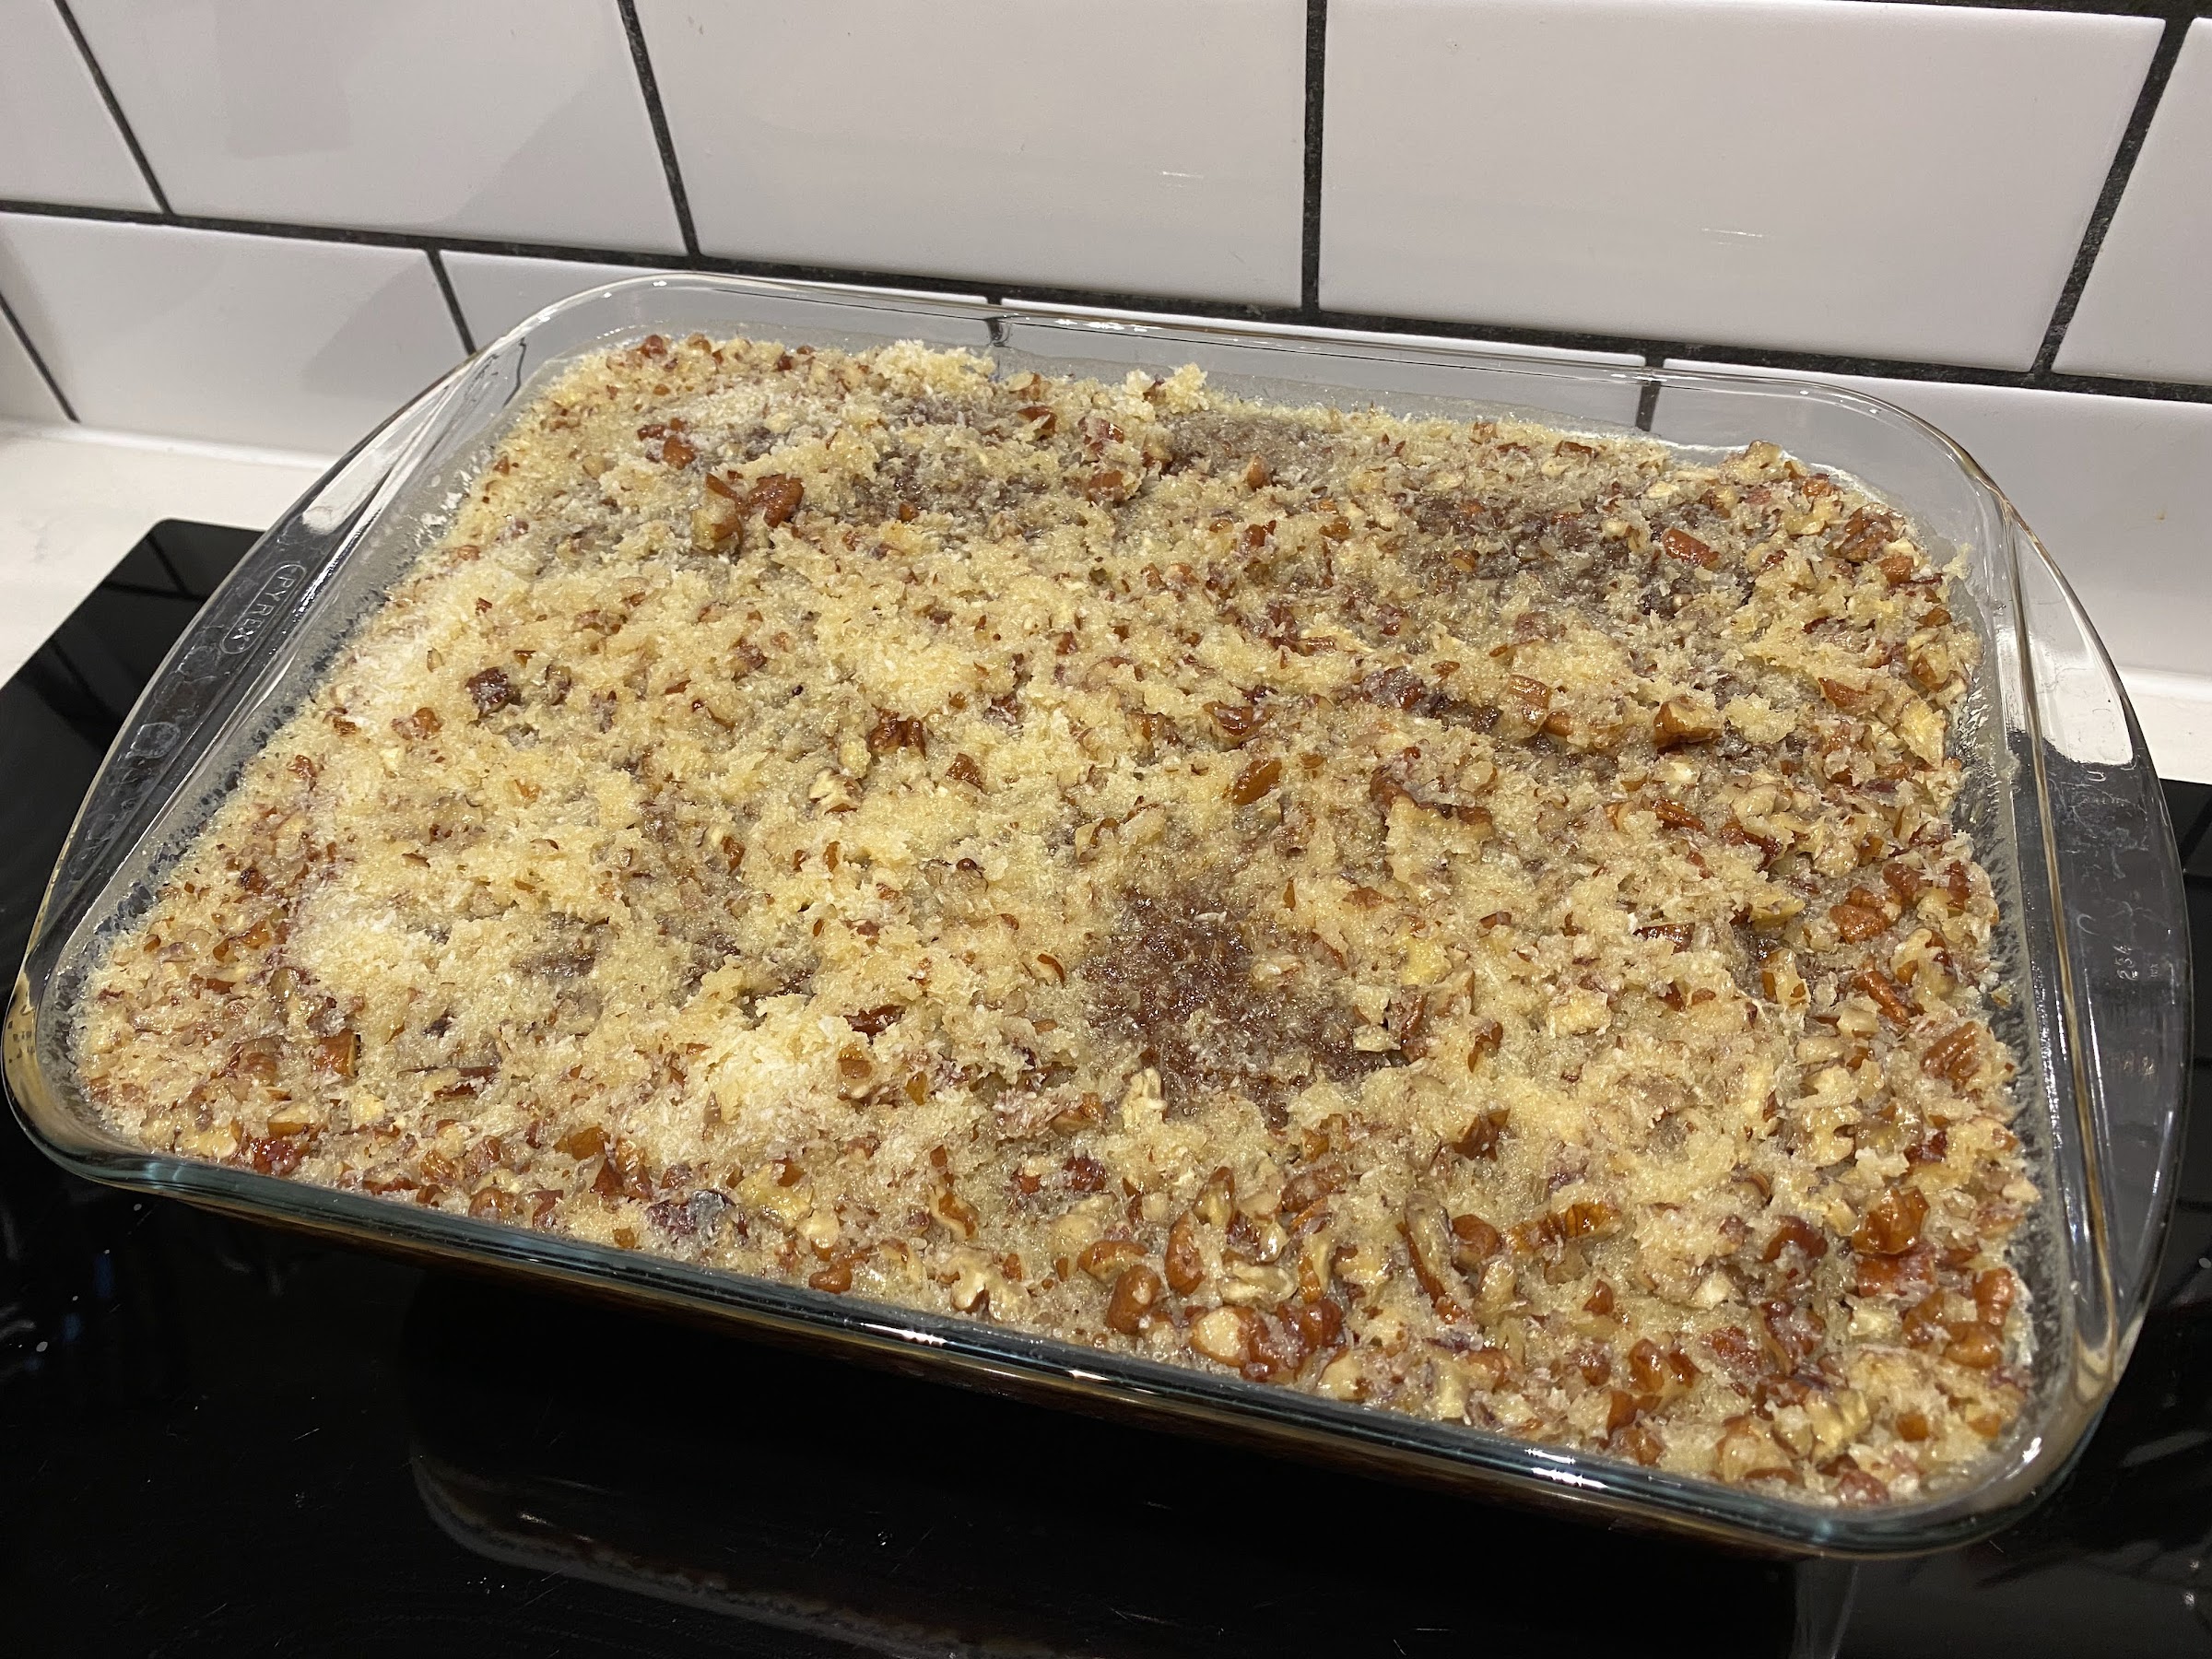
{"type": "Point", "coordinates": [74, 500]}
{"type": "Point", "coordinates": [2175, 712]}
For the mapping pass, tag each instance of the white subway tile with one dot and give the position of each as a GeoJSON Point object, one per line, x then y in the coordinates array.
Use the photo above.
{"type": "Point", "coordinates": [290, 344]}
{"type": "Point", "coordinates": [2147, 311]}
{"type": "Point", "coordinates": [2114, 486]}
{"type": "Point", "coordinates": [497, 291]}
{"type": "Point", "coordinates": [23, 394]}
{"type": "Point", "coordinates": [58, 141]}
{"type": "Point", "coordinates": [1818, 175]}
{"type": "Point", "coordinates": [519, 119]}
{"type": "Point", "coordinates": [1154, 146]}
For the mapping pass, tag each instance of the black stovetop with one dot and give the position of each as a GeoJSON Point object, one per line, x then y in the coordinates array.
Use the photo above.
{"type": "Point", "coordinates": [217, 1439]}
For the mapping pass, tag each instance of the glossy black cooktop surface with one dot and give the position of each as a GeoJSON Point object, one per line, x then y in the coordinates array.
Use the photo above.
{"type": "Point", "coordinates": [220, 1440]}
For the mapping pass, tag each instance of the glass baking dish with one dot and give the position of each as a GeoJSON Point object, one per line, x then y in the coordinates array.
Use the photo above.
{"type": "Point", "coordinates": [2060, 798]}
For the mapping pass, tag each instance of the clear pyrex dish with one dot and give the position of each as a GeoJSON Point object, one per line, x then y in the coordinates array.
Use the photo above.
{"type": "Point", "coordinates": [2061, 799]}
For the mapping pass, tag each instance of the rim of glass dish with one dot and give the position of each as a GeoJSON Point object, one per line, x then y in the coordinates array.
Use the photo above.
{"type": "Point", "coordinates": [2014, 1478]}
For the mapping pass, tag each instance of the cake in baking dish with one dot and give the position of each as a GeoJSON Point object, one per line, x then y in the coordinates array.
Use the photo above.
{"type": "Point", "coordinates": [1462, 917]}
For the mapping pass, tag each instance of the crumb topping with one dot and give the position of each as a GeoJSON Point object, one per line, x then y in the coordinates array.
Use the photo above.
{"type": "Point", "coordinates": [1461, 917]}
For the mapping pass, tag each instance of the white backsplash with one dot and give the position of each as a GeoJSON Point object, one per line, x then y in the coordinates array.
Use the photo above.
{"type": "Point", "coordinates": [1878, 181]}
{"type": "Point", "coordinates": [494, 118]}
{"type": "Point", "coordinates": [2147, 308]}
{"type": "Point", "coordinates": [1154, 146]}
{"type": "Point", "coordinates": [57, 142]}
{"type": "Point", "coordinates": [230, 219]}
{"type": "Point", "coordinates": [277, 342]}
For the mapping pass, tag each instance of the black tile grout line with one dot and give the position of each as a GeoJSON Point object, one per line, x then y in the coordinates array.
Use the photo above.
{"type": "Point", "coordinates": [107, 96]}
{"type": "Point", "coordinates": [1308, 225]}
{"type": "Point", "coordinates": [453, 301]}
{"type": "Point", "coordinates": [38, 361]}
{"type": "Point", "coordinates": [1650, 351]}
{"type": "Point", "coordinates": [651, 87]}
{"type": "Point", "coordinates": [2116, 185]}
{"type": "Point", "coordinates": [1647, 399]}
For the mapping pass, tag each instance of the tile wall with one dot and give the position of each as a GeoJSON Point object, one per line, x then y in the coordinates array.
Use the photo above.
{"type": "Point", "coordinates": [268, 221]}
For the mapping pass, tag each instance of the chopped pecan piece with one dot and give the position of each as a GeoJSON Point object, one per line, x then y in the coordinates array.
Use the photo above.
{"type": "Point", "coordinates": [1238, 721]}
{"type": "Point", "coordinates": [1109, 487]}
{"type": "Point", "coordinates": [716, 519]}
{"type": "Point", "coordinates": [775, 497]}
{"type": "Point", "coordinates": [1885, 994]}
{"type": "Point", "coordinates": [1395, 689]}
{"type": "Point", "coordinates": [893, 732]}
{"type": "Point", "coordinates": [1481, 1137]}
{"type": "Point", "coordinates": [1474, 1242]}
{"type": "Point", "coordinates": [1851, 699]}
{"type": "Point", "coordinates": [1130, 1310]}
{"type": "Point", "coordinates": [337, 1055]}
{"type": "Point", "coordinates": [1865, 534]}
{"type": "Point", "coordinates": [1680, 722]}
{"type": "Point", "coordinates": [1428, 1246]}
{"type": "Point", "coordinates": [1184, 1262]}
{"type": "Point", "coordinates": [1108, 1259]}
{"type": "Point", "coordinates": [1955, 1057]}
{"type": "Point", "coordinates": [874, 1022]}
{"type": "Point", "coordinates": [1225, 1335]}
{"type": "Point", "coordinates": [1796, 1231]}
{"type": "Point", "coordinates": [1891, 1225]}
{"type": "Point", "coordinates": [490, 691]}
{"type": "Point", "coordinates": [1855, 923]}
{"type": "Point", "coordinates": [1255, 781]}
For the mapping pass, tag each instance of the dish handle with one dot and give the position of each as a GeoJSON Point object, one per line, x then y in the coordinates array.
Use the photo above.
{"type": "Point", "coordinates": [2121, 915]}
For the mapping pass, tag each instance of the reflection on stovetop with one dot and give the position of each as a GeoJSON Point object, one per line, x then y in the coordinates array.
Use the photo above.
{"type": "Point", "coordinates": [812, 1498]}
{"type": "Point", "coordinates": [224, 1440]}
